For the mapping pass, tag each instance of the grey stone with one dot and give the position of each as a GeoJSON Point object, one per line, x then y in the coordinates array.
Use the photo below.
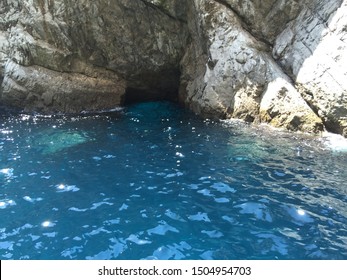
{"type": "Point", "coordinates": [315, 56]}
{"type": "Point", "coordinates": [103, 46]}
{"type": "Point", "coordinates": [245, 81]}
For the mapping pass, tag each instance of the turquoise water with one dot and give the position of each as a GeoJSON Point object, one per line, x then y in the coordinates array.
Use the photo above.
{"type": "Point", "coordinates": [156, 182]}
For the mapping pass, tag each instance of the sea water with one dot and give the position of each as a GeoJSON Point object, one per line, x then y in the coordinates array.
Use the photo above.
{"type": "Point", "coordinates": [153, 181]}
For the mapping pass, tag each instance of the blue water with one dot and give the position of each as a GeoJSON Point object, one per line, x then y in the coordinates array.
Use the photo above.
{"type": "Point", "coordinates": [156, 182]}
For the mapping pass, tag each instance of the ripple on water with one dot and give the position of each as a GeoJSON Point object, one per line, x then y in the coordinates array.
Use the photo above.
{"type": "Point", "coordinates": [162, 229]}
{"type": "Point", "coordinates": [67, 188]}
{"type": "Point", "coordinates": [269, 242]}
{"type": "Point", "coordinates": [47, 224]}
{"type": "Point", "coordinates": [174, 215]}
{"type": "Point", "coordinates": [199, 217]}
{"type": "Point", "coordinates": [6, 203]}
{"type": "Point", "coordinates": [222, 200]}
{"type": "Point", "coordinates": [171, 252]}
{"type": "Point", "coordinates": [223, 188]}
{"type": "Point", "coordinates": [32, 200]}
{"type": "Point", "coordinates": [298, 216]}
{"type": "Point", "coordinates": [135, 239]}
{"type": "Point", "coordinates": [155, 182]}
{"type": "Point", "coordinates": [7, 172]}
{"type": "Point", "coordinates": [213, 233]}
{"type": "Point", "coordinates": [259, 210]}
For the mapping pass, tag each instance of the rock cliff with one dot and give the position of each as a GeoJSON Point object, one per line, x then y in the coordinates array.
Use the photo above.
{"type": "Point", "coordinates": [275, 61]}
{"type": "Point", "coordinates": [63, 55]}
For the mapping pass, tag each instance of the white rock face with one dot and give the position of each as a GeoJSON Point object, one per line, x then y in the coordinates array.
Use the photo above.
{"type": "Point", "coordinates": [265, 18]}
{"type": "Point", "coordinates": [229, 73]}
{"type": "Point", "coordinates": [313, 51]}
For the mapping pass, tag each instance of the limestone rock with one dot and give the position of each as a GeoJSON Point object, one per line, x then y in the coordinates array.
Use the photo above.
{"type": "Point", "coordinates": [313, 51]}
{"type": "Point", "coordinates": [34, 88]}
{"type": "Point", "coordinates": [282, 106]}
{"type": "Point", "coordinates": [229, 73]}
{"type": "Point", "coordinates": [3, 53]}
{"type": "Point", "coordinates": [265, 19]}
{"type": "Point", "coordinates": [174, 8]}
{"type": "Point", "coordinates": [112, 47]}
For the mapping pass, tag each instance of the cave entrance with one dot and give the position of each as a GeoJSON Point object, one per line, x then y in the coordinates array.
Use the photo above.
{"type": "Point", "coordinates": [134, 95]}
{"type": "Point", "coordinates": [153, 86]}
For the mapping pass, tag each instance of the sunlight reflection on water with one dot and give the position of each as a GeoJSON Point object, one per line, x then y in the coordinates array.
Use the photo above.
{"type": "Point", "coordinates": [155, 182]}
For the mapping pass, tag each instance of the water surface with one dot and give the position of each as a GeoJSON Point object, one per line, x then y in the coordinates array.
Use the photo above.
{"type": "Point", "coordinates": [156, 182]}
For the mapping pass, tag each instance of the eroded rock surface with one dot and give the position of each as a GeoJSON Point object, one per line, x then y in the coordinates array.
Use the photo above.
{"type": "Point", "coordinates": [312, 49]}
{"type": "Point", "coordinates": [227, 72]}
{"type": "Point", "coordinates": [74, 55]}
{"type": "Point", "coordinates": [276, 61]}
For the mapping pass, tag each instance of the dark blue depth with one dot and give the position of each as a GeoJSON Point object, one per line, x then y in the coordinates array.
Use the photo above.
{"type": "Point", "coordinates": [156, 182]}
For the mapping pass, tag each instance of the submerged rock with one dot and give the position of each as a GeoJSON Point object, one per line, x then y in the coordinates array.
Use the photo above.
{"type": "Point", "coordinates": [280, 62]}
{"type": "Point", "coordinates": [52, 141]}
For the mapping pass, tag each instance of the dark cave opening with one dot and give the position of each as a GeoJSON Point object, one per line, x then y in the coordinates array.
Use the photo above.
{"type": "Point", "coordinates": [148, 86]}
{"type": "Point", "coordinates": [134, 95]}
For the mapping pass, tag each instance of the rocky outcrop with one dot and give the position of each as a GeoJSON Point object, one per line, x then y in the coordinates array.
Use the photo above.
{"type": "Point", "coordinates": [264, 19]}
{"type": "Point", "coordinates": [308, 41]}
{"type": "Point", "coordinates": [86, 55]}
{"type": "Point", "coordinates": [275, 61]}
{"type": "Point", "coordinates": [312, 49]}
{"type": "Point", "coordinates": [270, 61]}
{"type": "Point", "coordinates": [227, 72]}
